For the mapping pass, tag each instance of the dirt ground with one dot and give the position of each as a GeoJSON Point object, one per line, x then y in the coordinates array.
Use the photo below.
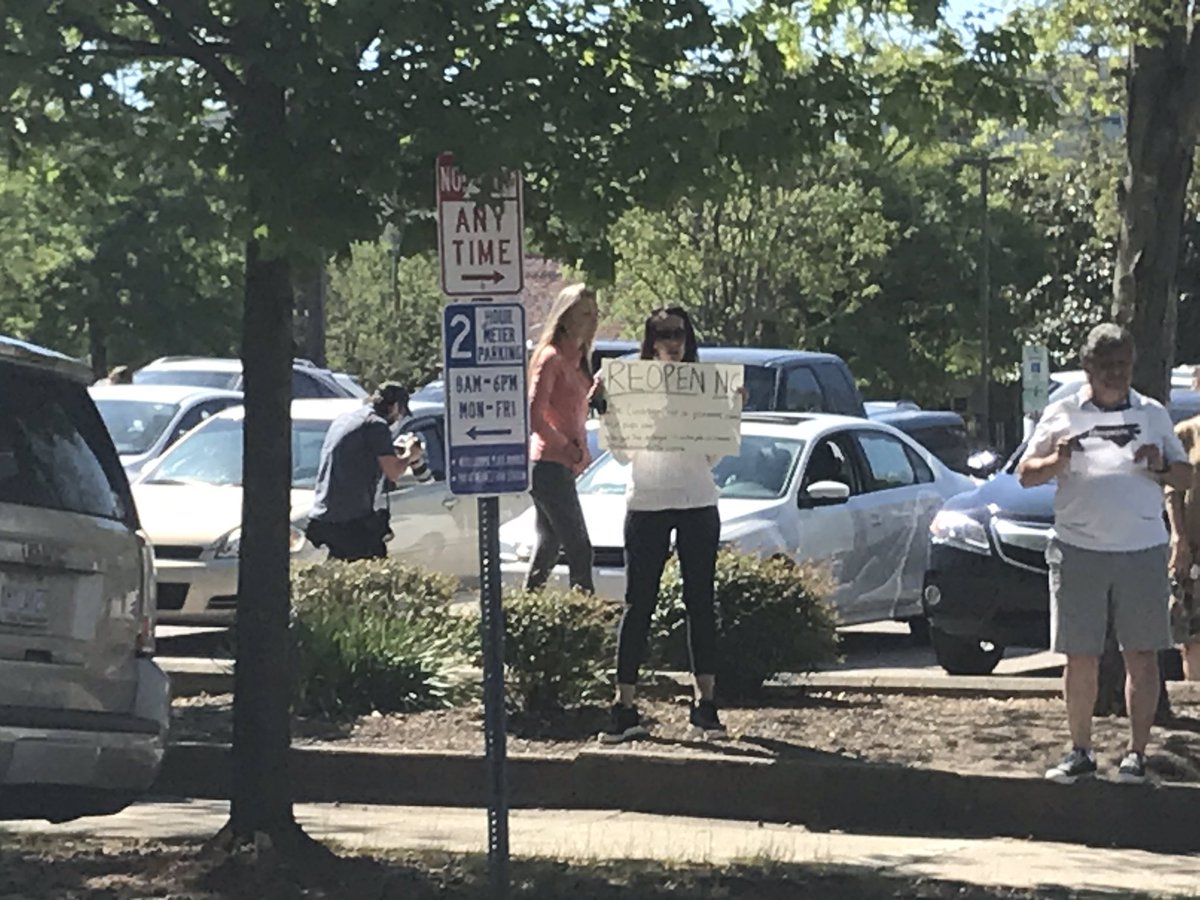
{"type": "Point", "coordinates": [974, 735]}
{"type": "Point", "coordinates": [75, 869]}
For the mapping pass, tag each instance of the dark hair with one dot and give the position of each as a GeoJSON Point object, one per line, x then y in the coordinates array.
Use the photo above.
{"type": "Point", "coordinates": [387, 394]}
{"type": "Point", "coordinates": [690, 343]}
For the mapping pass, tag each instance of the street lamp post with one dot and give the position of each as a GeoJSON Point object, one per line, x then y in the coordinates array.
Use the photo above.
{"type": "Point", "coordinates": [984, 164]}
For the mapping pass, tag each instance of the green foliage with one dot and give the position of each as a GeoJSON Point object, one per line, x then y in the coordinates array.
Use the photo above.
{"type": "Point", "coordinates": [772, 616]}
{"type": "Point", "coordinates": [384, 315]}
{"type": "Point", "coordinates": [759, 264]}
{"type": "Point", "coordinates": [557, 645]}
{"type": "Point", "coordinates": [375, 635]}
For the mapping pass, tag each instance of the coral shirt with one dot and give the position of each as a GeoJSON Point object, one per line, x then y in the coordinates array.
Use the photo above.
{"type": "Point", "coordinates": [558, 406]}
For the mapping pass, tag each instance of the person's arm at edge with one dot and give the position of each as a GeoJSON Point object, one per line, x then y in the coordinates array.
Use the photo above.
{"type": "Point", "coordinates": [1046, 458]}
{"type": "Point", "coordinates": [1178, 473]}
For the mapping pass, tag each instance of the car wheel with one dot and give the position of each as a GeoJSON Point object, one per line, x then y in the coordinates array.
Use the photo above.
{"type": "Point", "coordinates": [962, 655]}
{"type": "Point", "coordinates": [918, 629]}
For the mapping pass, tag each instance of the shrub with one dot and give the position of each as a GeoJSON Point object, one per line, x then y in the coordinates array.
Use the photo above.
{"type": "Point", "coordinates": [772, 616]}
{"type": "Point", "coordinates": [375, 635]}
{"type": "Point", "coordinates": [557, 646]}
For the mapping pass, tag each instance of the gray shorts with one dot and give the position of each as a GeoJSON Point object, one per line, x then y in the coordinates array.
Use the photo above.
{"type": "Point", "coordinates": [1087, 585]}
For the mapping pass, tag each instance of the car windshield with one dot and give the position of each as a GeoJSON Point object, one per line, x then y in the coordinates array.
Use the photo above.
{"type": "Point", "coordinates": [760, 471]}
{"type": "Point", "coordinates": [192, 377]}
{"type": "Point", "coordinates": [135, 425]}
{"type": "Point", "coordinates": [212, 454]}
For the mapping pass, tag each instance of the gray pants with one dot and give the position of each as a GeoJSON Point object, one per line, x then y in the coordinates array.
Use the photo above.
{"type": "Point", "coordinates": [1086, 586]}
{"type": "Point", "coordinates": [560, 527]}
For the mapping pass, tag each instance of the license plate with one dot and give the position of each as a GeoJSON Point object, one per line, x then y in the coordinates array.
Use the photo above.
{"type": "Point", "coordinates": [23, 604]}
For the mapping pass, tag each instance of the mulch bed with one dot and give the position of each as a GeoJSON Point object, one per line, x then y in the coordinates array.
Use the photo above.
{"type": "Point", "coordinates": [1019, 736]}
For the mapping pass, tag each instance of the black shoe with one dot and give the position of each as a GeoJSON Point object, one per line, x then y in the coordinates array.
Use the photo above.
{"type": "Point", "coordinates": [625, 725]}
{"type": "Point", "coordinates": [705, 720]}
{"type": "Point", "coordinates": [1133, 769]}
{"type": "Point", "coordinates": [1077, 765]}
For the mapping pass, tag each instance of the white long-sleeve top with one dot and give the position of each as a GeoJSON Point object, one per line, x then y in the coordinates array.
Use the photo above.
{"type": "Point", "coordinates": [659, 479]}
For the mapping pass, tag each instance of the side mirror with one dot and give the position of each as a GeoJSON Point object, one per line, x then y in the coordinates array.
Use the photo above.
{"type": "Point", "coordinates": [825, 493]}
{"type": "Point", "coordinates": [983, 464]}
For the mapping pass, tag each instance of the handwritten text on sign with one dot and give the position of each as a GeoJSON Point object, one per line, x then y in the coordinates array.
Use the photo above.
{"type": "Point", "coordinates": [672, 406]}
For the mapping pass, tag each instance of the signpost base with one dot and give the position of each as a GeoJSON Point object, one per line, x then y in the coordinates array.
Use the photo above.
{"type": "Point", "coordinates": [491, 623]}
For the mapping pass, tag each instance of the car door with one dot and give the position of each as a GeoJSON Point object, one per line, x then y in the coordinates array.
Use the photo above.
{"type": "Point", "coordinates": [430, 526]}
{"type": "Point", "coordinates": [831, 535]}
{"type": "Point", "coordinates": [897, 522]}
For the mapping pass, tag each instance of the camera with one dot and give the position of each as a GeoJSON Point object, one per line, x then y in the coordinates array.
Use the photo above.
{"type": "Point", "coordinates": [419, 468]}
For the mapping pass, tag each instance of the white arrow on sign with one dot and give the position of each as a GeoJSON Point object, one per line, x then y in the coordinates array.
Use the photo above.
{"type": "Point", "coordinates": [480, 232]}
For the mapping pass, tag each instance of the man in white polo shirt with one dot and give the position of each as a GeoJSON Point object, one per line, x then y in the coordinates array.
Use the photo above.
{"type": "Point", "coordinates": [1112, 451]}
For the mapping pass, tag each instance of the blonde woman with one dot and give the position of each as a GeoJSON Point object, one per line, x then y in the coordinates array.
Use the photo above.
{"type": "Point", "coordinates": [560, 381]}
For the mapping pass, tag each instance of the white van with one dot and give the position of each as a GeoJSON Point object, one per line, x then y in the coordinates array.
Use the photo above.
{"type": "Point", "coordinates": [83, 707]}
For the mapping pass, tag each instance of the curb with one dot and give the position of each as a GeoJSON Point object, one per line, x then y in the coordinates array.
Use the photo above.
{"type": "Point", "coordinates": [823, 793]}
{"type": "Point", "coordinates": [193, 676]}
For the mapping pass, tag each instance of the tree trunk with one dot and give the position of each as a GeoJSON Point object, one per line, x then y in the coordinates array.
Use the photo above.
{"type": "Point", "coordinates": [97, 345]}
{"type": "Point", "coordinates": [1160, 141]}
{"type": "Point", "coordinates": [1151, 197]}
{"type": "Point", "coordinates": [262, 799]}
{"type": "Point", "coordinates": [310, 283]}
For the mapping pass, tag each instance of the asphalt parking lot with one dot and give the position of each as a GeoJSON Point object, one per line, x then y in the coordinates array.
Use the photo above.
{"type": "Point", "coordinates": [882, 648]}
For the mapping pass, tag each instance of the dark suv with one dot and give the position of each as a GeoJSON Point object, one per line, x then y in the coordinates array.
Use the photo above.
{"type": "Point", "coordinates": [792, 380]}
{"type": "Point", "coordinates": [986, 587]}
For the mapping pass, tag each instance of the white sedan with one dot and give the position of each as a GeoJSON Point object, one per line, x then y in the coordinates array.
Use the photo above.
{"type": "Point", "coordinates": [190, 504]}
{"type": "Point", "coordinates": [855, 495]}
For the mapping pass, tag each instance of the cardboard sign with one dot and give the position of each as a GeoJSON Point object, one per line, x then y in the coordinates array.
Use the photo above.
{"type": "Point", "coordinates": [672, 406]}
{"type": "Point", "coordinates": [1106, 441]}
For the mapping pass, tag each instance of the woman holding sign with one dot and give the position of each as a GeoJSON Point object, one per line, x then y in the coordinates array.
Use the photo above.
{"type": "Point", "coordinates": [668, 492]}
{"type": "Point", "coordinates": [560, 381]}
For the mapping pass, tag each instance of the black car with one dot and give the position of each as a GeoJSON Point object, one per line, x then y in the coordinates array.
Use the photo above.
{"type": "Point", "coordinates": [941, 432]}
{"type": "Point", "coordinates": [986, 587]}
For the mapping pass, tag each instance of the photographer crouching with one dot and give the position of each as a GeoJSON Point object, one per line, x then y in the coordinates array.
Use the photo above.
{"type": "Point", "coordinates": [358, 452]}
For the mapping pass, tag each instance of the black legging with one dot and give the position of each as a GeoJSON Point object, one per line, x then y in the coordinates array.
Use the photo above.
{"type": "Point", "coordinates": [647, 546]}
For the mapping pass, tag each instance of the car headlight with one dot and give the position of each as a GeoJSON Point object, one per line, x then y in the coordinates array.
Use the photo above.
{"type": "Point", "coordinates": [955, 529]}
{"type": "Point", "coordinates": [231, 544]}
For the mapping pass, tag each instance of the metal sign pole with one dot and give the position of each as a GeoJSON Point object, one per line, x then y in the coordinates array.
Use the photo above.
{"type": "Point", "coordinates": [492, 631]}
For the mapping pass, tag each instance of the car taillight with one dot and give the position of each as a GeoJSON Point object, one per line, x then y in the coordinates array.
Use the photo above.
{"type": "Point", "coordinates": [147, 610]}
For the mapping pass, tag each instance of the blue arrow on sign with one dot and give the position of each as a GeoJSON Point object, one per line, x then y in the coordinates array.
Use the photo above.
{"type": "Point", "coordinates": [475, 432]}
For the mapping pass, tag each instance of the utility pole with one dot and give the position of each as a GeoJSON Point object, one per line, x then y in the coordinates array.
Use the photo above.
{"type": "Point", "coordinates": [984, 163]}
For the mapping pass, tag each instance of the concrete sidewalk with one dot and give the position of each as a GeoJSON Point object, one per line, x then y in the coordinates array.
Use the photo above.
{"type": "Point", "coordinates": [582, 834]}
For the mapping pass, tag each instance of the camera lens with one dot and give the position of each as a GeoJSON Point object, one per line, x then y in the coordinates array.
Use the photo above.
{"type": "Point", "coordinates": [421, 471]}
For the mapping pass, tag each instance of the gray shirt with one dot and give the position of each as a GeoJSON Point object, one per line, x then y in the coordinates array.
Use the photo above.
{"type": "Point", "coordinates": [349, 474]}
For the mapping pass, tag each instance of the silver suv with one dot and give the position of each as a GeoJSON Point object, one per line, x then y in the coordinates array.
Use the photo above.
{"type": "Point", "coordinates": [83, 707]}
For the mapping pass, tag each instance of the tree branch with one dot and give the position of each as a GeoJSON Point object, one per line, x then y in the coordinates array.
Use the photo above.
{"type": "Point", "coordinates": [207, 55]}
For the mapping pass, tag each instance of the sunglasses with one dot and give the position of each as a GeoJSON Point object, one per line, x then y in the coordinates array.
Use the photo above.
{"type": "Point", "coordinates": [669, 334]}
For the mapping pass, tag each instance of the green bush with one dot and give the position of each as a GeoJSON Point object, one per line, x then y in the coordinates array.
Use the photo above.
{"type": "Point", "coordinates": [557, 646]}
{"type": "Point", "coordinates": [772, 616]}
{"type": "Point", "coordinates": [375, 635]}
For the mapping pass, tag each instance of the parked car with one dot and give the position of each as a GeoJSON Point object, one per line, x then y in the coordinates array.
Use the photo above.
{"type": "Point", "coordinates": [190, 502]}
{"type": "Point", "coordinates": [877, 407]}
{"type": "Point", "coordinates": [612, 349]}
{"type": "Point", "coordinates": [308, 381]}
{"type": "Point", "coordinates": [986, 587]}
{"type": "Point", "coordinates": [854, 494]}
{"type": "Point", "coordinates": [352, 386]}
{"type": "Point", "coordinates": [84, 708]}
{"type": "Point", "coordinates": [145, 419]}
{"type": "Point", "coordinates": [431, 398]}
{"type": "Point", "coordinates": [942, 432]}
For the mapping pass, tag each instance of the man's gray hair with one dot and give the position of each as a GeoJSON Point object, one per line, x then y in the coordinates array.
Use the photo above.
{"type": "Point", "coordinates": [1105, 338]}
